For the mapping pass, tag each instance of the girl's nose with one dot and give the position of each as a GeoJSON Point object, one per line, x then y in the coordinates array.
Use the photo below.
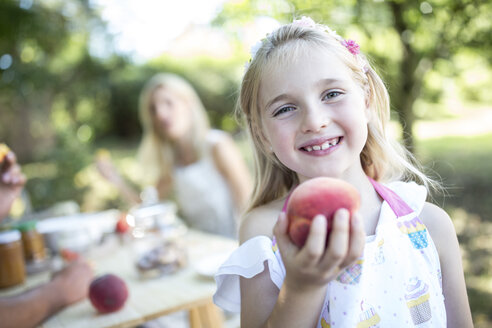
{"type": "Point", "coordinates": [314, 119]}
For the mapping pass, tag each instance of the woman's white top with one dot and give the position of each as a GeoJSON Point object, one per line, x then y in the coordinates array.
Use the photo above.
{"type": "Point", "coordinates": [396, 283]}
{"type": "Point", "coordinates": [203, 195]}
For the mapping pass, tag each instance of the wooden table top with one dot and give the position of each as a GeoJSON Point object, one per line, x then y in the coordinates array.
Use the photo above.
{"type": "Point", "coordinates": [148, 298]}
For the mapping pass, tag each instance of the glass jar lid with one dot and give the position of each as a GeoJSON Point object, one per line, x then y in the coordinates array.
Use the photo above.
{"type": "Point", "coordinates": [9, 236]}
{"type": "Point", "coordinates": [25, 226]}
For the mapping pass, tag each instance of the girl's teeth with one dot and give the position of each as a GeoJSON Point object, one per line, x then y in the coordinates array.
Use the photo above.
{"type": "Point", "coordinates": [324, 146]}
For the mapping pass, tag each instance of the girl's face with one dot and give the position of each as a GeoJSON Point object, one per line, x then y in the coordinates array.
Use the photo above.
{"type": "Point", "coordinates": [314, 116]}
{"type": "Point", "coordinates": [171, 115]}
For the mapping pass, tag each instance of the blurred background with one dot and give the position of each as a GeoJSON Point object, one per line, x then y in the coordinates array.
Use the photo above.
{"type": "Point", "coordinates": [71, 72]}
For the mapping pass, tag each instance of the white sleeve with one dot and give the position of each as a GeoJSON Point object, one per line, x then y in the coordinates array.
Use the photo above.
{"type": "Point", "coordinates": [246, 261]}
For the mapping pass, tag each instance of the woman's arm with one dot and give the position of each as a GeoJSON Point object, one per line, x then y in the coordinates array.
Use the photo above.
{"type": "Point", "coordinates": [453, 281]}
{"type": "Point", "coordinates": [107, 169]}
{"type": "Point", "coordinates": [232, 166]}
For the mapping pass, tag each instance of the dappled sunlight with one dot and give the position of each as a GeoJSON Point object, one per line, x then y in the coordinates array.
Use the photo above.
{"type": "Point", "coordinates": [45, 170]}
{"type": "Point", "coordinates": [100, 194]}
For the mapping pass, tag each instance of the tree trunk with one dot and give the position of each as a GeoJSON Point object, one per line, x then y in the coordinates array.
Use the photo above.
{"type": "Point", "coordinates": [408, 89]}
{"type": "Point", "coordinates": [407, 120]}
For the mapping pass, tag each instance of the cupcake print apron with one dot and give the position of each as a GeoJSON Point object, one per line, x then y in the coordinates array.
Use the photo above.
{"type": "Point", "coordinates": [397, 282]}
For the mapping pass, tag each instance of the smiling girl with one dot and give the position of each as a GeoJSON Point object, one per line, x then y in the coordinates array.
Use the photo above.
{"type": "Point", "coordinates": [315, 107]}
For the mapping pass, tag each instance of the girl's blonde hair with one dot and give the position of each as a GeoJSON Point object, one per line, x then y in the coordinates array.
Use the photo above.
{"type": "Point", "coordinates": [382, 158]}
{"type": "Point", "coordinates": [157, 153]}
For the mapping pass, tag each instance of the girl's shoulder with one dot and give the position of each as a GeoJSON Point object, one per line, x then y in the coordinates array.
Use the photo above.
{"type": "Point", "coordinates": [260, 220]}
{"type": "Point", "coordinates": [439, 224]}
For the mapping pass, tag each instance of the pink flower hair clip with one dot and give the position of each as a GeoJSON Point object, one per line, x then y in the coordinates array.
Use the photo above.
{"type": "Point", "coordinates": [351, 46]}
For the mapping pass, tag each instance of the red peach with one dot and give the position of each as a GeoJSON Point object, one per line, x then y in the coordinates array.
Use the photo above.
{"type": "Point", "coordinates": [108, 293]}
{"type": "Point", "coordinates": [320, 195]}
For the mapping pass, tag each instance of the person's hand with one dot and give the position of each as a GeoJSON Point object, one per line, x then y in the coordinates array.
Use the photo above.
{"type": "Point", "coordinates": [313, 265]}
{"type": "Point", "coordinates": [11, 182]}
{"type": "Point", "coordinates": [72, 282]}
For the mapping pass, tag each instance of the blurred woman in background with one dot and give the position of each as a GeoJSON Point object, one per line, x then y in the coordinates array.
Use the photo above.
{"type": "Point", "coordinates": [187, 161]}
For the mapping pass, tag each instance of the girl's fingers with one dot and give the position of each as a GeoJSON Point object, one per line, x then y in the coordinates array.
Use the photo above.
{"type": "Point", "coordinates": [357, 240]}
{"type": "Point", "coordinates": [314, 248]}
{"type": "Point", "coordinates": [338, 243]}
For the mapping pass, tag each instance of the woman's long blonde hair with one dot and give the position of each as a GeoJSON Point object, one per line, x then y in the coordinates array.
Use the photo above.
{"type": "Point", "coordinates": [382, 158]}
{"type": "Point", "coordinates": [156, 153]}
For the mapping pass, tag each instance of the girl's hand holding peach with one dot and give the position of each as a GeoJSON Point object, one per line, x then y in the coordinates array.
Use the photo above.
{"type": "Point", "coordinates": [314, 264]}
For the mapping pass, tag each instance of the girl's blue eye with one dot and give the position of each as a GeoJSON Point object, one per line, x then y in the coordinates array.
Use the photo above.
{"type": "Point", "coordinates": [331, 94]}
{"type": "Point", "coordinates": [284, 110]}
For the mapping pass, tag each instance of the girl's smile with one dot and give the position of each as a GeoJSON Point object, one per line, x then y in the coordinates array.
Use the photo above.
{"type": "Point", "coordinates": [321, 146]}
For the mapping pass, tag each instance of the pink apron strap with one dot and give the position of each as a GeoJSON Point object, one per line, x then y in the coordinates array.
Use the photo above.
{"type": "Point", "coordinates": [398, 205]}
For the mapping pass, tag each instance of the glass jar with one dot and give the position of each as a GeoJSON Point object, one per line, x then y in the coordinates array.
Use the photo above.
{"type": "Point", "coordinates": [12, 266]}
{"type": "Point", "coordinates": [32, 241]}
